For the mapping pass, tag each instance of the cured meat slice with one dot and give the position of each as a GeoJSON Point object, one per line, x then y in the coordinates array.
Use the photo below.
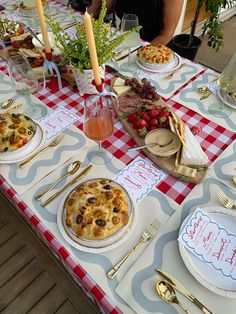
{"type": "Point", "coordinates": [128, 103]}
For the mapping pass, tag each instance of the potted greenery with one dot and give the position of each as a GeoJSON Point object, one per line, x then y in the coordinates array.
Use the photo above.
{"type": "Point", "coordinates": [75, 50]}
{"type": "Point", "coordinates": [187, 44]}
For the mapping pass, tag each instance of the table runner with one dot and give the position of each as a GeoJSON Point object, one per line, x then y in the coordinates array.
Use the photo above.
{"type": "Point", "coordinates": [190, 97]}
{"type": "Point", "coordinates": [225, 167]}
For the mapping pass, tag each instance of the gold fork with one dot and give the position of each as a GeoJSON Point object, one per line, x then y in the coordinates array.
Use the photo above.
{"type": "Point", "coordinates": [147, 235]}
{"type": "Point", "coordinates": [226, 201]}
{"type": "Point", "coordinates": [170, 75]}
{"type": "Point", "coordinates": [52, 144]}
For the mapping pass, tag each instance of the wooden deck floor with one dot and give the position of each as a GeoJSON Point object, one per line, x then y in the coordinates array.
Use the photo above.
{"type": "Point", "coordinates": [31, 280]}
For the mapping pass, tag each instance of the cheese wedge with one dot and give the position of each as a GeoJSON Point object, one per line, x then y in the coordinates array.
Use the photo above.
{"type": "Point", "coordinates": [120, 88]}
{"type": "Point", "coordinates": [192, 153]}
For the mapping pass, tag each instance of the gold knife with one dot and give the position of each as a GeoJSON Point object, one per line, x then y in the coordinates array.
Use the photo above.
{"type": "Point", "coordinates": [178, 286]}
{"type": "Point", "coordinates": [76, 179]}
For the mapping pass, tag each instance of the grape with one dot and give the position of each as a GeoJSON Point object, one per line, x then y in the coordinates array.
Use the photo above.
{"type": "Point", "coordinates": [144, 89]}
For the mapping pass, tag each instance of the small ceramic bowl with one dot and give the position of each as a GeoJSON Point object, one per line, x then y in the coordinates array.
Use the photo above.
{"type": "Point", "coordinates": [164, 137]}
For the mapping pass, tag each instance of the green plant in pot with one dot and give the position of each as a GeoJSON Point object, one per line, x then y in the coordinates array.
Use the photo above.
{"type": "Point", "coordinates": [75, 50]}
{"type": "Point", "coordinates": [187, 44]}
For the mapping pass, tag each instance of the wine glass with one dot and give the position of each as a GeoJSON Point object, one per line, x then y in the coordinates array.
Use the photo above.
{"type": "Point", "coordinates": [24, 81]}
{"type": "Point", "coordinates": [128, 22]}
{"type": "Point", "coordinates": [97, 126]}
{"type": "Point", "coordinates": [226, 84]}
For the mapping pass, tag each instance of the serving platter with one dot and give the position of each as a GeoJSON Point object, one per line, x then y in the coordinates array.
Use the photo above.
{"type": "Point", "coordinates": [167, 164]}
{"type": "Point", "coordinates": [202, 272]}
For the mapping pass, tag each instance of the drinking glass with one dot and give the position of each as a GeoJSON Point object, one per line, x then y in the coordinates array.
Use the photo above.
{"type": "Point", "coordinates": [24, 81]}
{"type": "Point", "coordinates": [128, 22]}
{"type": "Point", "coordinates": [97, 126]}
{"type": "Point", "coordinates": [226, 84]}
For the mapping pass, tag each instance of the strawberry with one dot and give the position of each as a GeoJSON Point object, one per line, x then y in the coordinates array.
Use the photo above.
{"type": "Point", "coordinates": [132, 117]}
{"type": "Point", "coordinates": [161, 118]}
{"type": "Point", "coordinates": [152, 127]}
{"type": "Point", "coordinates": [154, 112]}
{"type": "Point", "coordinates": [166, 113]}
{"type": "Point", "coordinates": [145, 116]}
{"type": "Point", "coordinates": [142, 123]}
{"type": "Point", "coordinates": [153, 122]}
{"type": "Point", "coordinates": [135, 125]}
{"type": "Point", "coordinates": [142, 132]}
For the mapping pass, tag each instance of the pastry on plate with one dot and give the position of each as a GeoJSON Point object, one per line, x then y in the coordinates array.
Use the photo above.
{"type": "Point", "coordinates": [97, 209]}
{"type": "Point", "coordinates": [16, 130]}
{"type": "Point", "coordinates": [155, 54]}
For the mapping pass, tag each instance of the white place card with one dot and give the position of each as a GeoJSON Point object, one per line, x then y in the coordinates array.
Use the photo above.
{"type": "Point", "coordinates": [211, 242]}
{"type": "Point", "coordinates": [57, 121]}
{"type": "Point", "coordinates": [139, 178]}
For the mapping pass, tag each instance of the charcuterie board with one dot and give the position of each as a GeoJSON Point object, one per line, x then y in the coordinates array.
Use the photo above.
{"type": "Point", "coordinates": [191, 174]}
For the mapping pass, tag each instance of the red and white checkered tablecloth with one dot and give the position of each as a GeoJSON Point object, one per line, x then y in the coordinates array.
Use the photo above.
{"type": "Point", "coordinates": [213, 139]}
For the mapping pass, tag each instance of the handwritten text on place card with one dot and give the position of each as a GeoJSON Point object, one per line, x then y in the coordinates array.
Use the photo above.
{"type": "Point", "coordinates": [57, 121]}
{"type": "Point", "coordinates": [211, 242]}
{"type": "Point", "coordinates": [139, 178]}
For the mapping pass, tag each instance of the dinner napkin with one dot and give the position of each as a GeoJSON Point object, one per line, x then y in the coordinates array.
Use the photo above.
{"type": "Point", "coordinates": [211, 242]}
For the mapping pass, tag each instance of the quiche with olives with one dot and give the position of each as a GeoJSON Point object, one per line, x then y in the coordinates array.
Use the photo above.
{"type": "Point", "coordinates": [155, 54]}
{"type": "Point", "coordinates": [16, 130]}
{"type": "Point", "coordinates": [97, 209]}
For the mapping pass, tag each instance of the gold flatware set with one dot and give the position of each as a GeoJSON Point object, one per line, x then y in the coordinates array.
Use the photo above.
{"type": "Point", "coordinates": [75, 180]}
{"type": "Point", "coordinates": [204, 90]}
{"type": "Point", "coordinates": [172, 283]}
{"type": "Point", "coordinates": [146, 236]}
{"type": "Point", "coordinates": [72, 169]}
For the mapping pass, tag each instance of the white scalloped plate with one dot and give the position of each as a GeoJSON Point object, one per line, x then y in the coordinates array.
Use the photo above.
{"type": "Point", "coordinates": [35, 144]}
{"type": "Point", "coordinates": [169, 67]}
{"type": "Point", "coordinates": [96, 246]}
{"type": "Point", "coordinates": [202, 272]}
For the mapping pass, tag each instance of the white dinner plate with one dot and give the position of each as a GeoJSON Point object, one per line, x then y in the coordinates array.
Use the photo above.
{"type": "Point", "coordinates": [228, 101]}
{"type": "Point", "coordinates": [96, 246]}
{"type": "Point", "coordinates": [203, 273]}
{"type": "Point", "coordinates": [33, 12]}
{"type": "Point", "coordinates": [169, 67]}
{"type": "Point", "coordinates": [35, 144]}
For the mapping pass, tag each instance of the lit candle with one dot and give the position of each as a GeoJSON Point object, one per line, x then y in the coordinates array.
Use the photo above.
{"type": "Point", "coordinates": [92, 48]}
{"type": "Point", "coordinates": [43, 26]}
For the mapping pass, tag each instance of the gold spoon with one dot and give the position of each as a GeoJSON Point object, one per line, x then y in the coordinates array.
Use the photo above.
{"type": "Point", "coordinates": [72, 168]}
{"type": "Point", "coordinates": [167, 293]}
{"type": "Point", "coordinates": [7, 103]}
{"type": "Point", "coordinates": [202, 89]}
{"type": "Point", "coordinates": [234, 179]}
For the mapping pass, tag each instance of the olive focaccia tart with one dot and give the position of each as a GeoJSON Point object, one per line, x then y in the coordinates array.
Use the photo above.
{"type": "Point", "coordinates": [16, 130]}
{"type": "Point", "coordinates": [155, 54]}
{"type": "Point", "coordinates": [97, 209]}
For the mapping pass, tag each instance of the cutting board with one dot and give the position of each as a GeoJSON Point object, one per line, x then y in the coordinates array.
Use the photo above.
{"type": "Point", "coordinates": [167, 164]}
